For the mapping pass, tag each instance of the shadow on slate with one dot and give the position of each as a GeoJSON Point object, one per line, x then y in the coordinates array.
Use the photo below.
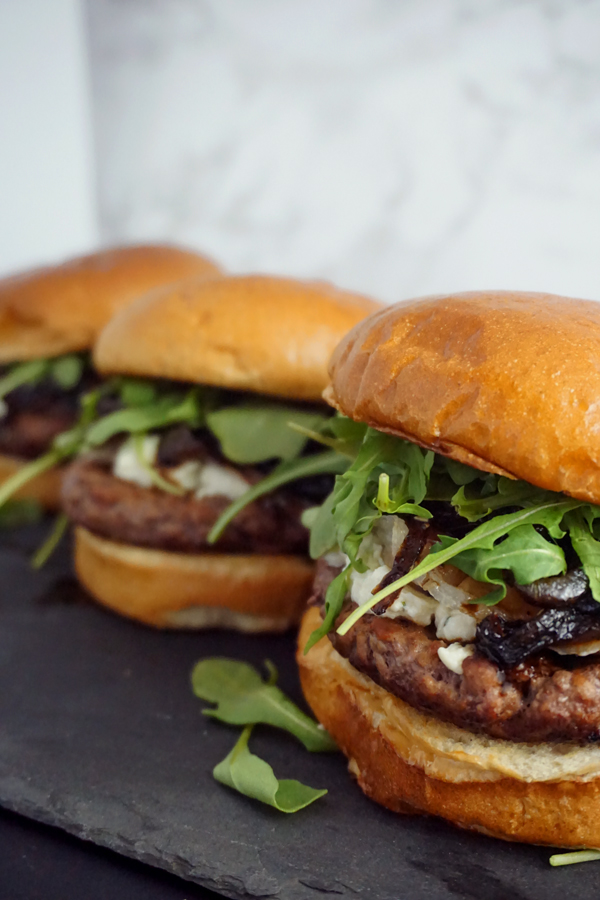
{"type": "Point", "coordinates": [101, 736]}
{"type": "Point", "coordinates": [42, 863]}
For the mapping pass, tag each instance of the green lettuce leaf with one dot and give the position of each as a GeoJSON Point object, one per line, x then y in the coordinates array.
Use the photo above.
{"type": "Point", "coordinates": [253, 777]}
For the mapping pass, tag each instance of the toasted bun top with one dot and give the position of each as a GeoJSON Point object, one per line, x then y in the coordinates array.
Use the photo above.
{"type": "Point", "coordinates": [251, 333]}
{"type": "Point", "coordinates": [506, 382]}
{"type": "Point", "coordinates": [59, 309]}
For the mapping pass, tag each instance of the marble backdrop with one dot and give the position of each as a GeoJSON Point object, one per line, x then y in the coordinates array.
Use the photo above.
{"type": "Point", "coordinates": [399, 147]}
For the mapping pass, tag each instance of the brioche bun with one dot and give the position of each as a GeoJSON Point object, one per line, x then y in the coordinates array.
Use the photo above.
{"type": "Point", "coordinates": [503, 381]}
{"type": "Point", "coordinates": [250, 593]}
{"type": "Point", "coordinates": [59, 309]}
{"type": "Point", "coordinates": [45, 488]}
{"type": "Point", "coordinates": [251, 333]}
{"type": "Point", "coordinates": [413, 763]}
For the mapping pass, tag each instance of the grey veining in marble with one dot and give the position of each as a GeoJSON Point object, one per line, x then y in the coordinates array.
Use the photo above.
{"type": "Point", "coordinates": [395, 147]}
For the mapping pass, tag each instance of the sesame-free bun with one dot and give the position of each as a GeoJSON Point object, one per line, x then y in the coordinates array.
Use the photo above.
{"type": "Point", "coordinates": [504, 381]}
{"type": "Point", "coordinates": [44, 488]}
{"type": "Point", "coordinates": [414, 763]}
{"type": "Point", "coordinates": [251, 593]}
{"type": "Point", "coordinates": [251, 333]}
{"type": "Point", "coordinates": [59, 309]}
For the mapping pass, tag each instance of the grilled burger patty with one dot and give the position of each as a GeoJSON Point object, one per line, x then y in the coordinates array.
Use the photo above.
{"type": "Point", "coordinates": [36, 414]}
{"type": "Point", "coordinates": [546, 698]}
{"type": "Point", "coordinates": [28, 434]}
{"type": "Point", "coordinates": [149, 517]}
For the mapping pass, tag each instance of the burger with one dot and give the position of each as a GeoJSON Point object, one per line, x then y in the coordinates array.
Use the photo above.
{"type": "Point", "coordinates": [194, 472]}
{"type": "Point", "coordinates": [49, 320]}
{"type": "Point", "coordinates": [452, 644]}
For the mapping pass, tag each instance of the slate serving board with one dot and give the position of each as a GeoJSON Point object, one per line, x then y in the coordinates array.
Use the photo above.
{"type": "Point", "coordinates": [101, 736]}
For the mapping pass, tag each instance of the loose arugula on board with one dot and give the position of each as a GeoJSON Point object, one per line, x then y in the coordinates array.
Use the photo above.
{"type": "Point", "coordinates": [243, 698]}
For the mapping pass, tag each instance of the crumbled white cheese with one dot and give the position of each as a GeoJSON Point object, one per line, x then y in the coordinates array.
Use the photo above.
{"type": "Point", "coordinates": [454, 656]}
{"type": "Point", "coordinates": [414, 605]}
{"type": "Point", "coordinates": [337, 559]}
{"type": "Point", "coordinates": [362, 583]}
{"type": "Point", "coordinates": [3, 408]}
{"type": "Point", "coordinates": [187, 475]}
{"type": "Point", "coordinates": [126, 464]}
{"type": "Point", "coordinates": [453, 625]}
{"type": "Point", "coordinates": [379, 548]}
{"type": "Point", "coordinates": [220, 481]}
{"type": "Point", "coordinates": [433, 599]}
{"type": "Point", "coordinates": [446, 594]}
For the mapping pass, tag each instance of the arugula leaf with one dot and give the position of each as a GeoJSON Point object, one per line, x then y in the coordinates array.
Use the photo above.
{"type": "Point", "coordinates": [254, 432]}
{"type": "Point", "coordinates": [459, 472]}
{"type": "Point", "coordinates": [243, 698]}
{"type": "Point", "coordinates": [67, 370]}
{"type": "Point", "coordinates": [575, 856]}
{"type": "Point", "coordinates": [253, 777]}
{"type": "Point", "coordinates": [153, 474]}
{"type": "Point", "coordinates": [323, 532]}
{"type": "Point", "coordinates": [47, 548]}
{"type": "Point", "coordinates": [137, 392]}
{"type": "Point", "coordinates": [525, 553]}
{"type": "Point", "coordinates": [484, 537]}
{"type": "Point", "coordinates": [16, 513]}
{"type": "Point", "coordinates": [29, 372]}
{"type": "Point", "coordinates": [28, 472]}
{"type": "Point", "coordinates": [579, 523]}
{"type": "Point", "coordinates": [334, 600]}
{"type": "Point", "coordinates": [292, 470]}
{"type": "Point", "coordinates": [166, 410]}
{"type": "Point", "coordinates": [63, 446]}
{"type": "Point", "coordinates": [508, 493]}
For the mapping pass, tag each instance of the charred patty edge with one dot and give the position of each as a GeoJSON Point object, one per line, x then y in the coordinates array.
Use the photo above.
{"type": "Point", "coordinates": [541, 701]}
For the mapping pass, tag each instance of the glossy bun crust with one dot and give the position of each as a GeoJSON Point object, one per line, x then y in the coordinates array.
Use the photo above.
{"type": "Point", "coordinates": [59, 309]}
{"type": "Point", "coordinates": [506, 382]}
{"type": "Point", "coordinates": [251, 333]}
{"type": "Point", "coordinates": [250, 593]}
{"type": "Point", "coordinates": [411, 763]}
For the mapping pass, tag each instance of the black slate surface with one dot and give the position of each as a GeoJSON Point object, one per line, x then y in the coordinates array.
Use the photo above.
{"type": "Point", "coordinates": [38, 862]}
{"type": "Point", "coordinates": [101, 736]}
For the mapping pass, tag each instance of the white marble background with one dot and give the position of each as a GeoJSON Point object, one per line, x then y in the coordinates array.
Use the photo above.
{"type": "Point", "coordinates": [399, 147]}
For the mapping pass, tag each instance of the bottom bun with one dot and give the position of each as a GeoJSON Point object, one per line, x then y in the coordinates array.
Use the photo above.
{"type": "Point", "coordinates": [45, 488]}
{"type": "Point", "coordinates": [184, 590]}
{"type": "Point", "coordinates": [413, 763]}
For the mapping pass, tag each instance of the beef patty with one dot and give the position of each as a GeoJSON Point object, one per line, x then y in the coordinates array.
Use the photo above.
{"type": "Point", "coordinates": [38, 413]}
{"type": "Point", "coordinates": [28, 434]}
{"type": "Point", "coordinates": [545, 699]}
{"type": "Point", "coordinates": [149, 517]}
